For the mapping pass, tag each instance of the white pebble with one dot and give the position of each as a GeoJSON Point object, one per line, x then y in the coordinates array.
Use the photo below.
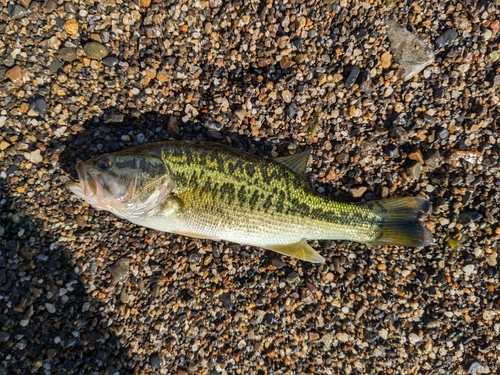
{"type": "Point", "coordinates": [469, 269]}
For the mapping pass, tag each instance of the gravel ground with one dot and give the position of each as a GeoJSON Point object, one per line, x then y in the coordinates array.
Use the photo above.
{"type": "Point", "coordinates": [82, 292]}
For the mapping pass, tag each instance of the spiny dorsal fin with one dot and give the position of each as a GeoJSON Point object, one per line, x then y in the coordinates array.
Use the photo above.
{"type": "Point", "coordinates": [300, 250]}
{"type": "Point", "coordinates": [297, 163]}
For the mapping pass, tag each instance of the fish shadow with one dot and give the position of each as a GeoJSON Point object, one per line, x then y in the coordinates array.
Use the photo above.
{"type": "Point", "coordinates": [114, 131]}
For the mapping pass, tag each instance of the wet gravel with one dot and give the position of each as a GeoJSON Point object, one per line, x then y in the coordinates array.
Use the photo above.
{"type": "Point", "coordinates": [82, 292]}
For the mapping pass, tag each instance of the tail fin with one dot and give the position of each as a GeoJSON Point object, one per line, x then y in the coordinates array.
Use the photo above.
{"type": "Point", "coordinates": [399, 225]}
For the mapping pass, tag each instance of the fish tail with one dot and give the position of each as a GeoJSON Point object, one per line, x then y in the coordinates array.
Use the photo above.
{"type": "Point", "coordinates": [399, 225]}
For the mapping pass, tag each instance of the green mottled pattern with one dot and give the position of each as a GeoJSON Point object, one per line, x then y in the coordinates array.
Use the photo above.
{"type": "Point", "coordinates": [221, 187]}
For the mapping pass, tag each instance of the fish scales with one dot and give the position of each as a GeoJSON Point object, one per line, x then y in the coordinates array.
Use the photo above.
{"type": "Point", "coordinates": [207, 190]}
{"type": "Point", "coordinates": [276, 190]}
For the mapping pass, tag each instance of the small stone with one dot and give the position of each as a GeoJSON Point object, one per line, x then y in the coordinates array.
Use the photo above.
{"type": "Point", "coordinates": [226, 300]}
{"type": "Point", "coordinates": [68, 54]}
{"type": "Point", "coordinates": [40, 106]}
{"type": "Point", "coordinates": [489, 314]}
{"type": "Point", "coordinates": [383, 333]}
{"type": "Point", "coordinates": [124, 298]}
{"type": "Point", "coordinates": [342, 158]}
{"type": "Point", "coordinates": [35, 157]}
{"type": "Point", "coordinates": [194, 256]}
{"type": "Point", "coordinates": [414, 338]}
{"type": "Point", "coordinates": [56, 66]}
{"type": "Point", "coordinates": [469, 269]}
{"type": "Point", "coordinates": [442, 133]}
{"type": "Point", "coordinates": [277, 262]}
{"type": "Point", "coordinates": [432, 159]}
{"type": "Point", "coordinates": [417, 156]}
{"type": "Point", "coordinates": [410, 52]}
{"type": "Point", "coordinates": [290, 111]}
{"type": "Point", "coordinates": [50, 308]}
{"type": "Point", "coordinates": [4, 336]}
{"type": "Point", "coordinates": [4, 145]}
{"type": "Point", "coordinates": [71, 26]}
{"type": "Point", "coordinates": [146, 3]}
{"type": "Point", "coordinates": [120, 269]}
{"type": "Point", "coordinates": [172, 127]}
{"type": "Point", "coordinates": [287, 96]}
{"type": "Point", "coordinates": [52, 43]}
{"type": "Point", "coordinates": [95, 50]}
{"type": "Point", "coordinates": [155, 361]}
{"type": "Point", "coordinates": [392, 151]}
{"type": "Point", "coordinates": [342, 337]}
{"type": "Point", "coordinates": [241, 113]}
{"type": "Point", "coordinates": [358, 191]}
{"type": "Point", "coordinates": [386, 60]}
{"type": "Point", "coordinates": [478, 368]}
{"type": "Point", "coordinates": [15, 74]}
{"type": "Point", "coordinates": [110, 61]}
{"type": "Point", "coordinates": [292, 277]}
{"type": "Point", "coordinates": [352, 78]}
{"type": "Point", "coordinates": [446, 38]}
{"type": "Point", "coordinates": [17, 11]}
{"type": "Point", "coordinates": [414, 171]}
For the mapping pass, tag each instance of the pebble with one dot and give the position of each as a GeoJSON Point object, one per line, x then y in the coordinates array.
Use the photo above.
{"type": "Point", "coordinates": [17, 11]}
{"type": "Point", "coordinates": [358, 191]}
{"type": "Point", "coordinates": [414, 170]}
{"type": "Point", "coordinates": [155, 361]}
{"type": "Point", "coordinates": [410, 52]}
{"type": "Point", "coordinates": [446, 39]}
{"type": "Point", "coordinates": [469, 269]}
{"type": "Point", "coordinates": [342, 158]}
{"type": "Point", "coordinates": [71, 26]}
{"type": "Point", "coordinates": [50, 308]}
{"type": "Point", "coordinates": [241, 114]}
{"type": "Point", "coordinates": [386, 60]}
{"type": "Point", "coordinates": [352, 78]}
{"type": "Point", "coordinates": [120, 269]}
{"type": "Point", "coordinates": [417, 156]}
{"type": "Point", "coordinates": [95, 50]}
{"type": "Point", "coordinates": [110, 61]}
{"type": "Point", "coordinates": [287, 96]}
{"type": "Point", "coordinates": [15, 75]}
{"type": "Point", "coordinates": [41, 106]}
{"type": "Point", "coordinates": [68, 54]}
{"type": "Point", "coordinates": [392, 151]}
{"type": "Point", "coordinates": [227, 301]}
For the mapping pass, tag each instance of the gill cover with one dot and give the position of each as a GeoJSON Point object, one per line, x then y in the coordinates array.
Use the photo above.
{"type": "Point", "coordinates": [126, 185]}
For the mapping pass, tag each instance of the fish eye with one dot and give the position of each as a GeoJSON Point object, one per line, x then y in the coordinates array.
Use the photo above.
{"type": "Point", "coordinates": [104, 163]}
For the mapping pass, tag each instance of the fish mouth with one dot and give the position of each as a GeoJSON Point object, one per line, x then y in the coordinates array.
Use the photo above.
{"type": "Point", "coordinates": [85, 186]}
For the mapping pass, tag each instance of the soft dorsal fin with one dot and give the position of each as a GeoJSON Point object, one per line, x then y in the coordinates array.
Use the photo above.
{"type": "Point", "coordinates": [300, 250]}
{"type": "Point", "coordinates": [297, 163]}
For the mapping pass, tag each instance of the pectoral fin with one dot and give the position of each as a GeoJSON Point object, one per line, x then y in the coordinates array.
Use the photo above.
{"type": "Point", "coordinates": [300, 250]}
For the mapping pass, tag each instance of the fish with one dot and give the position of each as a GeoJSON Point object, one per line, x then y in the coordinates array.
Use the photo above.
{"type": "Point", "coordinates": [213, 191]}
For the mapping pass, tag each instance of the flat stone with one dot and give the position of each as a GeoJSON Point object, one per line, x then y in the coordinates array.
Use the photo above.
{"type": "Point", "coordinates": [15, 75]}
{"type": "Point", "coordinates": [95, 50]}
{"type": "Point", "coordinates": [120, 269]}
{"type": "Point", "coordinates": [17, 11]}
{"type": "Point", "coordinates": [414, 171]}
{"type": "Point", "coordinates": [410, 52]}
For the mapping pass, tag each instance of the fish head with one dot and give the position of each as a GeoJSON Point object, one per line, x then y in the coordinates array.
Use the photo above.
{"type": "Point", "coordinates": [127, 185]}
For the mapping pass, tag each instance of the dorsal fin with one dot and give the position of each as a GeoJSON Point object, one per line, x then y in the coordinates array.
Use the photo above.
{"type": "Point", "coordinates": [297, 163]}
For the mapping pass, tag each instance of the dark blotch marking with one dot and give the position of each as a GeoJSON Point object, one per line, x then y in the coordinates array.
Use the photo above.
{"type": "Point", "coordinates": [250, 169]}
{"type": "Point", "coordinates": [254, 199]}
{"type": "Point", "coordinates": [242, 197]}
{"type": "Point", "coordinates": [268, 203]}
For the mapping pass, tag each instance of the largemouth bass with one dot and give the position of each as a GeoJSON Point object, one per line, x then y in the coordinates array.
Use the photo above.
{"type": "Point", "coordinates": [211, 191]}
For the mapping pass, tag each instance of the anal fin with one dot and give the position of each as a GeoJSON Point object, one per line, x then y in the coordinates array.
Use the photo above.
{"type": "Point", "coordinates": [300, 250]}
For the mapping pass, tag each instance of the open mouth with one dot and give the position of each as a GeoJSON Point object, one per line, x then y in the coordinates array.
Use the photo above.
{"type": "Point", "coordinates": [85, 186]}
